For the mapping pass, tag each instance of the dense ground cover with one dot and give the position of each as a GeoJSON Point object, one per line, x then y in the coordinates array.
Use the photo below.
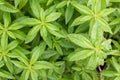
{"type": "Point", "coordinates": [59, 39]}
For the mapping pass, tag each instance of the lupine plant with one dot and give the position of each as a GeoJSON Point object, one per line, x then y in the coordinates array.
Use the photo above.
{"type": "Point", "coordinates": [59, 39]}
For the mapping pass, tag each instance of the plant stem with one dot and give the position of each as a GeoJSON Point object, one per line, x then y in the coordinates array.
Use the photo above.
{"type": "Point", "coordinates": [100, 75]}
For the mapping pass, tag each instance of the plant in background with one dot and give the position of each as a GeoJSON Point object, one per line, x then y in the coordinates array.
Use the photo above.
{"type": "Point", "coordinates": [59, 39]}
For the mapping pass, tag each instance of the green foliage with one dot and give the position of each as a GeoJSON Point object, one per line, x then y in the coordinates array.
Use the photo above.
{"type": "Point", "coordinates": [59, 40]}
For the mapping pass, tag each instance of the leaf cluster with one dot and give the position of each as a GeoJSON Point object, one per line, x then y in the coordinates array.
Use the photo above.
{"type": "Point", "coordinates": [59, 39]}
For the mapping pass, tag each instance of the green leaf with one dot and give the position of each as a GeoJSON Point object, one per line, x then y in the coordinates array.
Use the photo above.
{"type": "Point", "coordinates": [19, 64]}
{"type": "Point", "coordinates": [109, 73]}
{"type": "Point", "coordinates": [80, 40]}
{"type": "Point", "coordinates": [8, 8]}
{"type": "Point", "coordinates": [68, 13]}
{"type": "Point", "coordinates": [32, 33]}
{"type": "Point", "coordinates": [2, 2]}
{"type": "Point", "coordinates": [86, 76]}
{"type": "Point", "coordinates": [25, 75]}
{"type": "Point", "coordinates": [53, 16]}
{"type": "Point", "coordinates": [117, 78]}
{"type": "Point", "coordinates": [49, 2]}
{"type": "Point", "coordinates": [115, 64]}
{"type": "Point", "coordinates": [59, 49]}
{"type": "Point", "coordinates": [1, 26]}
{"type": "Point", "coordinates": [52, 27]}
{"type": "Point", "coordinates": [114, 0]}
{"type": "Point", "coordinates": [16, 26]}
{"type": "Point", "coordinates": [92, 62]}
{"type": "Point", "coordinates": [115, 21]}
{"type": "Point", "coordinates": [44, 33]}
{"type": "Point", "coordinates": [57, 33]}
{"type": "Point", "coordinates": [43, 65]}
{"type": "Point", "coordinates": [6, 74]}
{"type": "Point", "coordinates": [17, 3]}
{"type": "Point", "coordinates": [22, 3]}
{"type": "Point", "coordinates": [106, 12]}
{"type": "Point", "coordinates": [7, 19]}
{"type": "Point", "coordinates": [37, 52]}
{"type": "Point", "coordinates": [104, 25]}
{"type": "Point", "coordinates": [12, 45]}
{"type": "Point", "coordinates": [19, 34]}
{"type": "Point", "coordinates": [107, 44]}
{"type": "Point", "coordinates": [11, 34]}
{"type": "Point", "coordinates": [35, 7]}
{"type": "Point", "coordinates": [26, 21]}
{"type": "Point", "coordinates": [95, 32]}
{"type": "Point", "coordinates": [34, 75]}
{"type": "Point", "coordinates": [1, 64]}
{"type": "Point", "coordinates": [9, 65]}
{"type": "Point", "coordinates": [81, 8]}
{"type": "Point", "coordinates": [4, 41]}
{"type": "Point", "coordinates": [80, 20]}
{"type": "Point", "coordinates": [20, 55]}
{"type": "Point", "coordinates": [61, 4]}
{"type": "Point", "coordinates": [117, 45]}
{"type": "Point", "coordinates": [79, 55]}
{"type": "Point", "coordinates": [42, 14]}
